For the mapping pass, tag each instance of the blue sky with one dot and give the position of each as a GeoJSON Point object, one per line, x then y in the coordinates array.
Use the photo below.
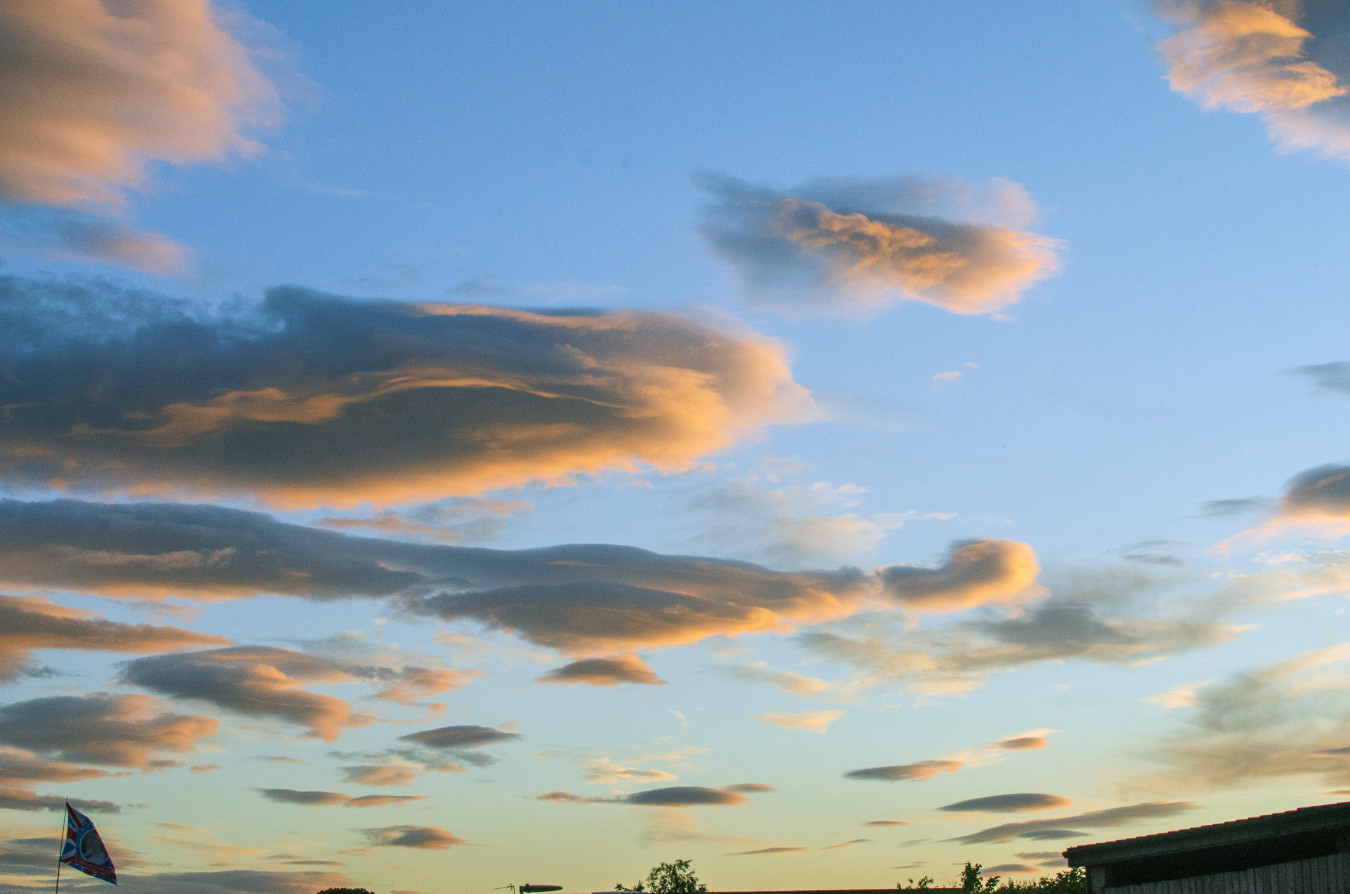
{"type": "Point", "coordinates": [470, 444]}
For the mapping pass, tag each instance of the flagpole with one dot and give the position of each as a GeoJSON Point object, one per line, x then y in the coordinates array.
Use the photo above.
{"type": "Point", "coordinates": [65, 825]}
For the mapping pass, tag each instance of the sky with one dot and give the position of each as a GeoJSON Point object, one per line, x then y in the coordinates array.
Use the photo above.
{"type": "Point", "coordinates": [449, 446]}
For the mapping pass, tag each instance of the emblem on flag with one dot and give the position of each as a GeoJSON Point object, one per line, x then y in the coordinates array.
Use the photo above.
{"type": "Point", "coordinates": [83, 848]}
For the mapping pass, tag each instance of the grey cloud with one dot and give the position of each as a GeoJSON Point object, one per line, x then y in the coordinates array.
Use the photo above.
{"type": "Point", "coordinates": [1021, 743]}
{"type": "Point", "coordinates": [256, 681]}
{"type": "Point", "coordinates": [1058, 828]}
{"type": "Point", "coordinates": [1322, 491]}
{"type": "Point", "coordinates": [767, 852]}
{"type": "Point", "coordinates": [1334, 377]}
{"type": "Point", "coordinates": [381, 800]}
{"type": "Point", "coordinates": [19, 799]}
{"type": "Point", "coordinates": [604, 672]}
{"type": "Point", "coordinates": [1285, 61]}
{"type": "Point", "coordinates": [28, 623]}
{"type": "Point", "coordinates": [315, 399]}
{"type": "Point", "coordinates": [841, 245]}
{"type": "Point", "coordinates": [1107, 616]}
{"type": "Point", "coordinates": [670, 796]}
{"type": "Point", "coordinates": [749, 787]}
{"type": "Point", "coordinates": [886, 823]}
{"type": "Point", "coordinates": [454, 738]}
{"type": "Point", "coordinates": [1013, 803]}
{"type": "Point", "coordinates": [917, 770]}
{"type": "Point", "coordinates": [109, 730]}
{"type": "Point", "coordinates": [18, 767]}
{"type": "Point", "coordinates": [419, 837]}
{"type": "Point", "coordinates": [1240, 506]}
{"type": "Point", "coordinates": [69, 235]}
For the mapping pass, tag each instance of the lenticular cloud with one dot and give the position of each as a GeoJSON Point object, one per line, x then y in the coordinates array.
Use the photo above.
{"type": "Point", "coordinates": [314, 399]}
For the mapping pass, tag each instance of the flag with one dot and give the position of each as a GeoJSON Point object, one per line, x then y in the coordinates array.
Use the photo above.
{"type": "Point", "coordinates": [84, 850]}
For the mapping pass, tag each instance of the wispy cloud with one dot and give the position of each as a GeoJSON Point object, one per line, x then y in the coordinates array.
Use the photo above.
{"type": "Point", "coordinates": [417, 837]}
{"type": "Point", "coordinates": [976, 572]}
{"type": "Point", "coordinates": [907, 772]}
{"type": "Point", "coordinates": [1014, 803]}
{"type": "Point", "coordinates": [845, 246]}
{"type": "Point", "coordinates": [810, 721]}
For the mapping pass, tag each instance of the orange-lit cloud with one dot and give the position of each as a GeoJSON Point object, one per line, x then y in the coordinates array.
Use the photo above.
{"type": "Point", "coordinates": [413, 683]}
{"type": "Point", "coordinates": [256, 681]}
{"type": "Point", "coordinates": [1021, 743]}
{"type": "Point", "coordinates": [605, 672]}
{"type": "Point", "coordinates": [1283, 61]}
{"type": "Point", "coordinates": [27, 624]}
{"type": "Point", "coordinates": [671, 796]}
{"type": "Point", "coordinates": [976, 572]}
{"type": "Point", "coordinates": [313, 399]}
{"type": "Point", "coordinates": [103, 729]}
{"type": "Point", "coordinates": [840, 246]}
{"type": "Point", "coordinates": [97, 95]}
{"type": "Point", "coordinates": [584, 600]}
{"type": "Point", "coordinates": [367, 774]}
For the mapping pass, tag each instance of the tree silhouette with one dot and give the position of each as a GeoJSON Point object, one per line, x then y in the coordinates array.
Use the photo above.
{"type": "Point", "coordinates": [669, 878]}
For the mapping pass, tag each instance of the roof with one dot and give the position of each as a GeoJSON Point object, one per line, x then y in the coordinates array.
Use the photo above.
{"type": "Point", "coordinates": [1305, 822]}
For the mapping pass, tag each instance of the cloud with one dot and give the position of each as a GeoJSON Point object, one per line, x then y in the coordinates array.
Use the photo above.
{"type": "Point", "coordinates": [89, 106]}
{"type": "Point", "coordinates": [89, 109]}
{"type": "Point", "coordinates": [1279, 722]}
{"type": "Point", "coordinates": [381, 800]}
{"type": "Point", "coordinates": [412, 683]}
{"type": "Point", "coordinates": [583, 600]}
{"type": "Point", "coordinates": [1021, 743]}
{"type": "Point", "coordinates": [767, 852]}
{"type": "Point", "coordinates": [605, 672]}
{"type": "Point", "coordinates": [312, 399]}
{"type": "Point", "coordinates": [976, 572]}
{"type": "Point", "coordinates": [367, 774]}
{"type": "Point", "coordinates": [303, 798]}
{"type": "Point", "coordinates": [1049, 829]}
{"type": "Point", "coordinates": [256, 681]}
{"type": "Point", "coordinates": [64, 235]}
{"type": "Point", "coordinates": [1108, 615]}
{"type": "Point", "coordinates": [671, 796]}
{"type": "Point", "coordinates": [914, 771]}
{"type": "Point", "coordinates": [1008, 803]}
{"type": "Point", "coordinates": [420, 837]}
{"type": "Point", "coordinates": [20, 767]}
{"type": "Point", "coordinates": [457, 738]}
{"type": "Point", "coordinates": [787, 681]}
{"type": "Point", "coordinates": [811, 721]}
{"type": "Point", "coordinates": [685, 796]}
{"type": "Point", "coordinates": [18, 799]}
{"type": "Point", "coordinates": [1284, 62]}
{"type": "Point", "coordinates": [840, 245]}
{"type": "Point", "coordinates": [1002, 868]}
{"type": "Point", "coordinates": [886, 823]}
{"type": "Point", "coordinates": [109, 730]}
{"type": "Point", "coordinates": [27, 624]}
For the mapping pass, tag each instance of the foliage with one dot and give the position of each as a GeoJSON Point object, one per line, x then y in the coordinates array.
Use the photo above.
{"type": "Point", "coordinates": [1070, 881]}
{"type": "Point", "coordinates": [669, 878]}
{"type": "Point", "coordinates": [971, 883]}
{"type": "Point", "coordinates": [922, 884]}
{"type": "Point", "coordinates": [345, 891]}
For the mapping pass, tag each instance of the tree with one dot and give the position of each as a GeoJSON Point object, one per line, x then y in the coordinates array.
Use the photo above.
{"type": "Point", "coordinates": [971, 883]}
{"type": "Point", "coordinates": [1070, 881]}
{"type": "Point", "coordinates": [922, 884]}
{"type": "Point", "coordinates": [345, 891]}
{"type": "Point", "coordinates": [669, 878]}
